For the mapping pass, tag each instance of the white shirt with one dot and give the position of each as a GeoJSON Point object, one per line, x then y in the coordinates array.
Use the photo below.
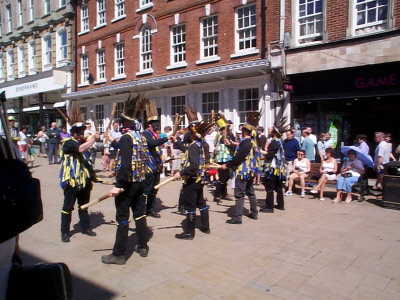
{"type": "Point", "coordinates": [383, 149]}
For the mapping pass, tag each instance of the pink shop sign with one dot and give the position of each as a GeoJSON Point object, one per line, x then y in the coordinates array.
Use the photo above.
{"type": "Point", "coordinates": [376, 82]}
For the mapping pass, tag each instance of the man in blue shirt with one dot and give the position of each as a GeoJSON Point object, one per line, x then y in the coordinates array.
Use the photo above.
{"type": "Point", "coordinates": [291, 146]}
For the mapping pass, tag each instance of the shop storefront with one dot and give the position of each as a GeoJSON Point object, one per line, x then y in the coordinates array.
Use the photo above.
{"type": "Point", "coordinates": [356, 100]}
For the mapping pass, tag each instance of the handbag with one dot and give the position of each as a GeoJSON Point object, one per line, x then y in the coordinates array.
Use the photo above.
{"type": "Point", "coordinates": [347, 175]}
{"type": "Point", "coordinates": [317, 176]}
{"type": "Point", "coordinates": [20, 199]}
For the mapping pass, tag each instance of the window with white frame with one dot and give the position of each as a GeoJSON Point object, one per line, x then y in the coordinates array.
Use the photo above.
{"type": "Point", "coordinates": [46, 6]}
{"type": "Point", "coordinates": [145, 2]}
{"type": "Point", "coordinates": [310, 21]}
{"type": "Point", "coordinates": [248, 100]}
{"type": "Point", "coordinates": [177, 106]}
{"type": "Point", "coordinates": [101, 65]}
{"type": "Point", "coordinates": [20, 13]}
{"type": "Point", "coordinates": [101, 12]}
{"type": "Point", "coordinates": [9, 18]}
{"type": "Point", "coordinates": [372, 15]}
{"type": "Point", "coordinates": [63, 2]}
{"type": "Point", "coordinates": [46, 52]}
{"type": "Point", "coordinates": [119, 59]}
{"type": "Point", "coordinates": [1, 26]}
{"type": "Point", "coordinates": [84, 17]}
{"type": "Point", "coordinates": [1, 67]}
{"type": "Point", "coordinates": [84, 112]}
{"type": "Point", "coordinates": [118, 111]}
{"type": "Point", "coordinates": [21, 60]}
{"type": "Point", "coordinates": [246, 28]}
{"type": "Point", "coordinates": [84, 69]}
{"type": "Point", "coordinates": [210, 101]}
{"type": "Point", "coordinates": [209, 40]}
{"type": "Point", "coordinates": [10, 64]}
{"type": "Point", "coordinates": [145, 48]}
{"type": "Point", "coordinates": [100, 117]}
{"type": "Point", "coordinates": [62, 41]}
{"type": "Point", "coordinates": [119, 8]}
{"type": "Point", "coordinates": [31, 10]}
{"type": "Point", "coordinates": [178, 37]}
{"type": "Point", "coordinates": [32, 57]}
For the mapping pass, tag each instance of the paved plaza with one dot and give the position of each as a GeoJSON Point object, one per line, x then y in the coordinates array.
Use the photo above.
{"type": "Point", "coordinates": [312, 250]}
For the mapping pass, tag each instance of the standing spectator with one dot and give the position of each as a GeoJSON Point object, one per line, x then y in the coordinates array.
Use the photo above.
{"type": "Point", "coordinates": [382, 156]}
{"type": "Point", "coordinates": [31, 153]}
{"type": "Point", "coordinates": [321, 146]}
{"type": "Point", "coordinates": [362, 140]}
{"type": "Point", "coordinates": [13, 129]}
{"type": "Point", "coordinates": [92, 150]}
{"type": "Point", "coordinates": [388, 139]}
{"type": "Point", "coordinates": [210, 139]}
{"type": "Point", "coordinates": [308, 146]}
{"type": "Point", "coordinates": [64, 134]}
{"type": "Point", "coordinates": [291, 146]}
{"type": "Point", "coordinates": [328, 141]}
{"type": "Point", "coordinates": [42, 136]}
{"type": "Point", "coordinates": [22, 143]}
{"type": "Point", "coordinates": [176, 153]}
{"type": "Point", "coordinates": [54, 138]}
{"type": "Point", "coordinates": [113, 136]}
{"type": "Point", "coordinates": [167, 132]}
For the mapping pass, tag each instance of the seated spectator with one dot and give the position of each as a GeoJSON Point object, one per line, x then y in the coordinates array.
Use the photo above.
{"type": "Point", "coordinates": [328, 170]}
{"type": "Point", "coordinates": [301, 168]}
{"type": "Point", "coordinates": [351, 170]}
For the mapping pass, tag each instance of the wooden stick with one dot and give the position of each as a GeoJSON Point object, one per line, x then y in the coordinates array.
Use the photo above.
{"type": "Point", "coordinates": [63, 115]}
{"type": "Point", "coordinates": [177, 121]}
{"type": "Point", "coordinates": [108, 195]}
{"type": "Point", "coordinates": [94, 120]}
{"type": "Point", "coordinates": [212, 115]}
{"type": "Point", "coordinates": [164, 182]}
{"type": "Point", "coordinates": [114, 108]}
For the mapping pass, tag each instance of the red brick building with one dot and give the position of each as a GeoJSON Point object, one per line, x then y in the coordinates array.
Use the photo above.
{"type": "Point", "coordinates": [209, 54]}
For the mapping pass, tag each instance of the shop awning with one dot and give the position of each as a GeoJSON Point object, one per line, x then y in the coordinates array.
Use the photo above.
{"type": "Point", "coordinates": [59, 104]}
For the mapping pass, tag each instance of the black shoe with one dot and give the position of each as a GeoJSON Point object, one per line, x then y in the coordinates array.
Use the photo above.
{"type": "Point", "coordinates": [267, 210]}
{"type": "Point", "coordinates": [205, 230]}
{"type": "Point", "coordinates": [233, 221]}
{"type": "Point", "coordinates": [280, 208]}
{"type": "Point", "coordinates": [142, 251]}
{"type": "Point", "coordinates": [182, 211]}
{"type": "Point", "coordinates": [184, 236]}
{"type": "Point", "coordinates": [218, 200]}
{"type": "Point", "coordinates": [361, 199]}
{"type": "Point", "coordinates": [89, 232]}
{"type": "Point", "coordinates": [113, 259]}
{"type": "Point", "coordinates": [252, 216]}
{"type": "Point", "coordinates": [65, 238]}
{"type": "Point", "coordinates": [153, 214]}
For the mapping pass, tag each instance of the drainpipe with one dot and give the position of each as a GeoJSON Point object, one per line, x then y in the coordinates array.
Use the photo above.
{"type": "Point", "coordinates": [263, 30]}
{"type": "Point", "coordinates": [282, 21]}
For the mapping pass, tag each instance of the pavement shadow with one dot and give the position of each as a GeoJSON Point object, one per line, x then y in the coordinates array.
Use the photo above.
{"type": "Point", "coordinates": [133, 241]}
{"type": "Point", "coordinates": [82, 289]}
{"type": "Point", "coordinates": [96, 219]}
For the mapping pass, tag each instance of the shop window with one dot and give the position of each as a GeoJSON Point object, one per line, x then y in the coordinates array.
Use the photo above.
{"type": "Point", "coordinates": [248, 100]}
{"type": "Point", "coordinates": [210, 101]}
{"type": "Point", "coordinates": [177, 105]}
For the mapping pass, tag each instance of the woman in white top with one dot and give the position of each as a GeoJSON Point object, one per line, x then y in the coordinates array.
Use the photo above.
{"type": "Point", "coordinates": [328, 169]}
{"type": "Point", "coordinates": [301, 168]}
{"type": "Point", "coordinates": [22, 143]}
{"type": "Point", "coordinates": [42, 136]}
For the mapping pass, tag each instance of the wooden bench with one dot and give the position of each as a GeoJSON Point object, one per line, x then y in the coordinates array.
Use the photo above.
{"type": "Point", "coordinates": [314, 170]}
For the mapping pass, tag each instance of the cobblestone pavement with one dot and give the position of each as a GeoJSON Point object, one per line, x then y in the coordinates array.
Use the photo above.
{"type": "Point", "coordinates": [312, 250]}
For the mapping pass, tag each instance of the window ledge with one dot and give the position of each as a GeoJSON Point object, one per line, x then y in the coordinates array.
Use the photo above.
{"type": "Point", "coordinates": [99, 26]}
{"type": "Point", "coordinates": [84, 32]}
{"type": "Point", "coordinates": [207, 60]}
{"type": "Point", "coordinates": [244, 53]}
{"type": "Point", "coordinates": [122, 76]}
{"type": "Point", "coordinates": [21, 74]}
{"type": "Point", "coordinates": [119, 18]}
{"type": "Point", "coordinates": [144, 7]}
{"type": "Point", "coordinates": [83, 84]}
{"type": "Point", "coordinates": [145, 72]}
{"type": "Point", "coordinates": [100, 81]}
{"type": "Point", "coordinates": [47, 67]}
{"type": "Point", "coordinates": [177, 65]}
